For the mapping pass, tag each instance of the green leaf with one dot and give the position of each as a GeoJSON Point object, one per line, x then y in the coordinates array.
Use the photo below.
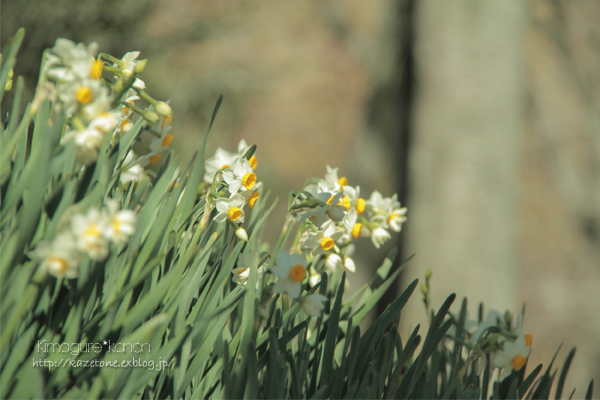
{"type": "Point", "coordinates": [563, 374]}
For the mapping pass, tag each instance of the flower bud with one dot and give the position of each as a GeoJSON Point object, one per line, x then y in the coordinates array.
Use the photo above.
{"type": "Point", "coordinates": [140, 66]}
{"type": "Point", "coordinates": [151, 116]}
{"type": "Point", "coordinates": [349, 265]}
{"type": "Point", "coordinates": [163, 109]}
{"type": "Point", "coordinates": [242, 234]}
{"type": "Point", "coordinates": [428, 273]}
{"type": "Point", "coordinates": [333, 262]}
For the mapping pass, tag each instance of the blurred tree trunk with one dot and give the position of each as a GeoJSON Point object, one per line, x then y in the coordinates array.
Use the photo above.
{"type": "Point", "coordinates": [467, 125]}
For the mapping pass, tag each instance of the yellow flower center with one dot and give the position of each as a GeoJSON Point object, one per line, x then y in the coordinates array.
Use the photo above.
{"type": "Point", "coordinates": [346, 203]}
{"type": "Point", "coordinates": [225, 166]}
{"type": "Point", "coordinates": [343, 181]}
{"type": "Point", "coordinates": [356, 230]}
{"type": "Point", "coordinates": [155, 158]}
{"type": "Point", "coordinates": [528, 340]}
{"type": "Point", "coordinates": [253, 162]}
{"type": "Point", "coordinates": [167, 140]}
{"type": "Point", "coordinates": [518, 362]}
{"type": "Point", "coordinates": [392, 217]}
{"type": "Point", "coordinates": [297, 273]}
{"type": "Point", "coordinates": [326, 243]}
{"type": "Point", "coordinates": [84, 95]}
{"type": "Point", "coordinates": [252, 199]}
{"type": "Point", "coordinates": [234, 213]}
{"type": "Point", "coordinates": [96, 71]}
{"type": "Point", "coordinates": [361, 204]}
{"type": "Point", "coordinates": [60, 263]}
{"type": "Point", "coordinates": [92, 231]}
{"type": "Point", "coordinates": [249, 180]}
{"type": "Point", "coordinates": [116, 225]}
{"type": "Point", "coordinates": [167, 120]}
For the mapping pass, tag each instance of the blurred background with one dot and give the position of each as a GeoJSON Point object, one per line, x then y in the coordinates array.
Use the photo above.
{"type": "Point", "coordinates": [483, 116]}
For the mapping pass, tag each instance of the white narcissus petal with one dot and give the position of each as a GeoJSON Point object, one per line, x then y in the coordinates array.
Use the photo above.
{"type": "Point", "coordinates": [313, 304]}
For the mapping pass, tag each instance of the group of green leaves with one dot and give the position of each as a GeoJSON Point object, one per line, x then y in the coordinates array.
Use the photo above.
{"type": "Point", "coordinates": [171, 288]}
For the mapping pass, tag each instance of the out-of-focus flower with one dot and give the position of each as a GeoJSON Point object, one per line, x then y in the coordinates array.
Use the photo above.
{"type": "Point", "coordinates": [313, 304]}
{"type": "Point", "coordinates": [132, 170]}
{"type": "Point", "coordinates": [220, 161]}
{"type": "Point", "coordinates": [379, 236]}
{"type": "Point", "coordinates": [106, 122]}
{"type": "Point", "coordinates": [60, 257]}
{"type": "Point", "coordinates": [87, 142]}
{"type": "Point", "coordinates": [158, 146]}
{"type": "Point", "coordinates": [68, 61]}
{"type": "Point", "coordinates": [387, 211]}
{"type": "Point", "coordinates": [291, 271]}
{"type": "Point", "coordinates": [120, 223]}
{"type": "Point", "coordinates": [89, 230]}
{"type": "Point", "coordinates": [242, 272]}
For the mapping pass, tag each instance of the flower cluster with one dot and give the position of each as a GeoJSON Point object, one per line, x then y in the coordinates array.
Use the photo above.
{"type": "Point", "coordinates": [331, 212]}
{"type": "Point", "coordinates": [503, 339]}
{"type": "Point", "coordinates": [334, 214]}
{"type": "Point", "coordinates": [233, 184]}
{"type": "Point", "coordinates": [97, 105]}
{"type": "Point", "coordinates": [87, 233]}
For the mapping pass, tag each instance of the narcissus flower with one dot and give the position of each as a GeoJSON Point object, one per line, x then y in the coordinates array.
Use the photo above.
{"type": "Point", "coordinates": [242, 272]}
{"type": "Point", "coordinates": [291, 271]}
{"type": "Point", "coordinates": [240, 176]}
{"type": "Point", "coordinates": [60, 258]}
{"type": "Point", "coordinates": [87, 142]}
{"type": "Point", "coordinates": [68, 61]}
{"type": "Point", "coordinates": [313, 304]}
{"type": "Point", "coordinates": [120, 223]}
{"type": "Point", "coordinates": [323, 240]}
{"type": "Point", "coordinates": [333, 183]}
{"type": "Point", "coordinates": [514, 354]}
{"type": "Point", "coordinates": [89, 230]}
{"type": "Point", "coordinates": [222, 159]}
{"type": "Point", "coordinates": [379, 236]}
{"type": "Point", "coordinates": [387, 211]}
{"type": "Point", "coordinates": [131, 171]}
{"type": "Point", "coordinates": [232, 208]}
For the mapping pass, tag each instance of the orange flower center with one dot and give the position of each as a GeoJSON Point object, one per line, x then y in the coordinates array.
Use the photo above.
{"type": "Point", "coordinates": [155, 158]}
{"type": "Point", "coordinates": [167, 140]}
{"type": "Point", "coordinates": [60, 263]}
{"type": "Point", "coordinates": [518, 362]}
{"type": "Point", "coordinates": [528, 340]}
{"type": "Point", "coordinates": [297, 273]}
{"type": "Point", "coordinates": [167, 121]}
